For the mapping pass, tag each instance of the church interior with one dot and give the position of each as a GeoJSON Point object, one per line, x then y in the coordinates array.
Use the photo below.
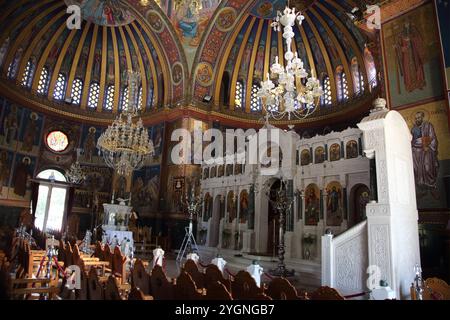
{"type": "Point", "coordinates": [224, 150]}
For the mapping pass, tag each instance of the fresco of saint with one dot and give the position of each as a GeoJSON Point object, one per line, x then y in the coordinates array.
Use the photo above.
{"type": "Point", "coordinates": [425, 152]}
{"type": "Point", "coordinates": [410, 58]}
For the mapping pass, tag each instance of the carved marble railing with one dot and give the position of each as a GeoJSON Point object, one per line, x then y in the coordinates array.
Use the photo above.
{"type": "Point", "coordinates": [345, 260]}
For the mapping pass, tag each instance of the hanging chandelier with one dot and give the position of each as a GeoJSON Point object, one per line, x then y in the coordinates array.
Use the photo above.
{"type": "Point", "coordinates": [296, 95]}
{"type": "Point", "coordinates": [75, 174]}
{"type": "Point", "coordinates": [125, 144]}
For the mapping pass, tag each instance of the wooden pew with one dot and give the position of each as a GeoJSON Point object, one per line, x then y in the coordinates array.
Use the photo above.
{"type": "Point", "coordinates": [244, 287]}
{"type": "Point", "coordinates": [213, 274]}
{"type": "Point", "coordinates": [326, 293]}
{"type": "Point", "coordinates": [282, 289]}
{"type": "Point", "coordinates": [161, 287]}
{"type": "Point", "coordinates": [140, 278]}
{"type": "Point", "coordinates": [199, 278]}
{"type": "Point", "coordinates": [185, 288]}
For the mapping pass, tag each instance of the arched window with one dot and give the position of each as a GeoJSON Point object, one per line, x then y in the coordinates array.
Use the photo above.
{"type": "Point", "coordinates": [255, 102]}
{"type": "Point", "coordinates": [342, 85]}
{"type": "Point", "coordinates": [371, 68]}
{"type": "Point", "coordinates": [94, 92]}
{"type": "Point", "coordinates": [358, 78]}
{"type": "Point", "coordinates": [239, 98]}
{"type": "Point", "coordinates": [77, 89]}
{"type": "Point", "coordinates": [60, 87]}
{"type": "Point", "coordinates": [43, 81]}
{"type": "Point", "coordinates": [28, 74]}
{"type": "Point", "coordinates": [140, 102]}
{"type": "Point", "coordinates": [325, 100]}
{"type": "Point", "coordinates": [51, 202]}
{"type": "Point", "coordinates": [109, 99]}
{"type": "Point", "coordinates": [124, 104]}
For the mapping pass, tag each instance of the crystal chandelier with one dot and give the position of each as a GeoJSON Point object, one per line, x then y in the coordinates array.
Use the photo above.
{"type": "Point", "coordinates": [125, 144]}
{"type": "Point", "coordinates": [296, 95]}
{"type": "Point", "coordinates": [75, 174]}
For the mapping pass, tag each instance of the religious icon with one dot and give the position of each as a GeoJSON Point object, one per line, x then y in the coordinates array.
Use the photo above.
{"type": "Point", "coordinates": [229, 170]}
{"type": "Point", "coordinates": [30, 133]}
{"type": "Point", "coordinates": [425, 154]}
{"type": "Point", "coordinates": [312, 205]}
{"type": "Point", "coordinates": [410, 58]}
{"type": "Point", "coordinates": [220, 171]}
{"type": "Point", "coordinates": [243, 207]}
{"type": "Point", "coordinates": [334, 205]}
{"type": "Point", "coordinates": [10, 125]}
{"type": "Point", "coordinates": [352, 149]}
{"type": "Point", "coordinates": [335, 152]}
{"type": "Point", "coordinates": [22, 174]}
{"type": "Point", "coordinates": [319, 155]}
{"type": "Point", "coordinates": [305, 158]}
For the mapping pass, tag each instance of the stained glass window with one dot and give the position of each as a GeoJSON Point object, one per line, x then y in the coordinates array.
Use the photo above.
{"type": "Point", "coordinates": [60, 86]}
{"type": "Point", "coordinates": [27, 74]}
{"type": "Point", "coordinates": [94, 92]}
{"type": "Point", "coordinates": [239, 99]}
{"type": "Point", "coordinates": [43, 81]}
{"type": "Point", "coordinates": [109, 102]}
{"type": "Point", "coordinates": [124, 104]}
{"type": "Point", "coordinates": [326, 98]}
{"type": "Point", "coordinates": [140, 101]}
{"type": "Point", "coordinates": [77, 88]}
{"type": "Point", "coordinates": [255, 104]}
{"type": "Point", "coordinates": [57, 141]}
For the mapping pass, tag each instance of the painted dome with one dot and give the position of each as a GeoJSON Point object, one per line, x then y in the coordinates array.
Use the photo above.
{"type": "Point", "coordinates": [82, 71]}
{"type": "Point", "coordinates": [331, 46]}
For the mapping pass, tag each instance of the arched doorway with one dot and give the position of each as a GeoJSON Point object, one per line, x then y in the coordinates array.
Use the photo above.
{"type": "Point", "coordinates": [215, 223]}
{"type": "Point", "coordinates": [359, 198]}
{"type": "Point", "coordinates": [273, 221]}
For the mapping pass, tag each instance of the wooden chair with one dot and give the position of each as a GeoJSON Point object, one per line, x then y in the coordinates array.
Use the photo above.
{"type": "Point", "coordinates": [61, 253]}
{"type": "Point", "coordinates": [108, 256]}
{"type": "Point", "coordinates": [95, 289]}
{"type": "Point", "coordinates": [136, 294]}
{"type": "Point", "coordinates": [76, 257]}
{"type": "Point", "coordinates": [5, 280]}
{"type": "Point", "coordinates": [199, 278]}
{"type": "Point", "coordinates": [436, 289]}
{"type": "Point", "coordinates": [326, 293]}
{"type": "Point", "coordinates": [244, 287]}
{"type": "Point", "coordinates": [217, 291]}
{"type": "Point", "coordinates": [185, 288]}
{"type": "Point", "coordinates": [98, 252]}
{"type": "Point", "coordinates": [140, 278]}
{"type": "Point", "coordinates": [281, 289]}
{"type": "Point", "coordinates": [161, 288]}
{"type": "Point", "coordinates": [213, 274]}
{"type": "Point", "coordinates": [112, 290]}
{"type": "Point", "coordinates": [68, 255]}
{"type": "Point", "coordinates": [118, 265]}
